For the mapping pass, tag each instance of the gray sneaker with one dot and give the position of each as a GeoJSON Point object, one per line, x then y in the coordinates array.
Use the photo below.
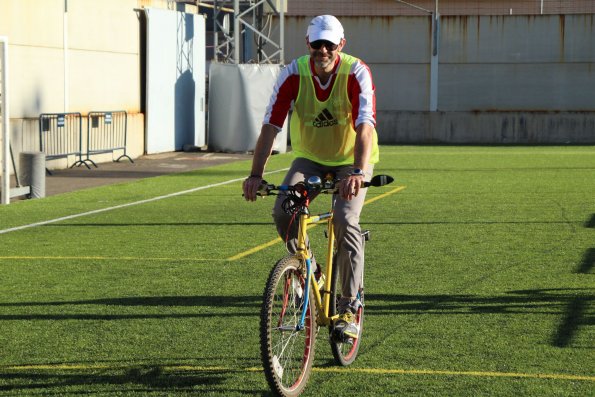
{"type": "Point", "coordinates": [348, 304]}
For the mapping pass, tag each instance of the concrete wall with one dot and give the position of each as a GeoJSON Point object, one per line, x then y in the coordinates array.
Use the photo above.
{"type": "Point", "coordinates": [502, 127]}
{"type": "Point", "coordinates": [501, 79]}
{"type": "Point", "coordinates": [100, 71]}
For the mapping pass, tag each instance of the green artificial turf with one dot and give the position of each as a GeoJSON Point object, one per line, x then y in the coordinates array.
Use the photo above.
{"type": "Point", "coordinates": [479, 281]}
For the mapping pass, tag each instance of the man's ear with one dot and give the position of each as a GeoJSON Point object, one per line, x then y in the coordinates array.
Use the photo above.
{"type": "Point", "coordinates": [342, 44]}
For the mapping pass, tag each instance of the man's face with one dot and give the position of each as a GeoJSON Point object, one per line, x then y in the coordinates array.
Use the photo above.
{"type": "Point", "coordinates": [324, 53]}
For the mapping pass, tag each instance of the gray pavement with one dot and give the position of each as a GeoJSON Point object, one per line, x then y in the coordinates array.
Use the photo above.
{"type": "Point", "coordinates": [71, 179]}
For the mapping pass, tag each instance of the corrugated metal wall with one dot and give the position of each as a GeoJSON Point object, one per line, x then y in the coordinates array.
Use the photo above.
{"type": "Point", "coordinates": [543, 64]}
{"type": "Point", "coordinates": [517, 63]}
{"type": "Point", "coordinates": [446, 7]}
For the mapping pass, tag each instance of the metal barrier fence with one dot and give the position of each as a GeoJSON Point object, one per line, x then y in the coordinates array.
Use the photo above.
{"type": "Point", "coordinates": [60, 136]}
{"type": "Point", "coordinates": [106, 133]}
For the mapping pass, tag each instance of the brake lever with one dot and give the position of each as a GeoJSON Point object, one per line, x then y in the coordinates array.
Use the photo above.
{"type": "Point", "coordinates": [267, 194]}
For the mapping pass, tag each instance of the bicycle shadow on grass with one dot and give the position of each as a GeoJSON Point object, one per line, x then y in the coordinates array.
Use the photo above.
{"type": "Point", "coordinates": [572, 306]}
{"type": "Point", "coordinates": [246, 306]}
{"type": "Point", "coordinates": [130, 380]}
{"type": "Point", "coordinates": [196, 300]}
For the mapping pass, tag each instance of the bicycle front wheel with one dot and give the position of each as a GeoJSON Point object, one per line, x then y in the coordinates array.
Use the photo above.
{"type": "Point", "coordinates": [287, 350]}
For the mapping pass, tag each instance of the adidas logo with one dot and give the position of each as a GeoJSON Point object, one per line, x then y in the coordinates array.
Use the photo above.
{"type": "Point", "coordinates": [325, 119]}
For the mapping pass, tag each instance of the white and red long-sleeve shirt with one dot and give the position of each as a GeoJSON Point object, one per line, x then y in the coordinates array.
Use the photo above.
{"type": "Point", "coordinates": [360, 88]}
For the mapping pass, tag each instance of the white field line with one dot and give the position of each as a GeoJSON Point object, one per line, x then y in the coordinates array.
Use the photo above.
{"type": "Point", "coordinates": [65, 218]}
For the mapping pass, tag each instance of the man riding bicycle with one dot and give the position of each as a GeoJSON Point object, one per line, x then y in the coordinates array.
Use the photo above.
{"type": "Point", "coordinates": [332, 130]}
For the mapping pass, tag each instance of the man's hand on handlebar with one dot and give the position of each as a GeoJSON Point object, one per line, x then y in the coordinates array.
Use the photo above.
{"type": "Point", "coordinates": [350, 186]}
{"type": "Point", "coordinates": [251, 185]}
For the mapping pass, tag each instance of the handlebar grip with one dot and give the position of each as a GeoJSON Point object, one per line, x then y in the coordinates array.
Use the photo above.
{"type": "Point", "coordinates": [379, 180]}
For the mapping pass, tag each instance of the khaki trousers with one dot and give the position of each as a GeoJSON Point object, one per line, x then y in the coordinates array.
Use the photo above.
{"type": "Point", "coordinates": [350, 243]}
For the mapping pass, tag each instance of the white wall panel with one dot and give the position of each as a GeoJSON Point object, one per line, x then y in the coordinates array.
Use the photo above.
{"type": "Point", "coordinates": [175, 80]}
{"type": "Point", "coordinates": [238, 97]}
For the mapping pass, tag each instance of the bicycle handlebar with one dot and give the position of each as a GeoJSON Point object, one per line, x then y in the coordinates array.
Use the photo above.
{"type": "Point", "coordinates": [315, 184]}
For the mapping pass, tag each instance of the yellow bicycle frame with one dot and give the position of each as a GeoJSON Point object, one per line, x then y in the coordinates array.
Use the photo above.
{"type": "Point", "coordinates": [304, 255]}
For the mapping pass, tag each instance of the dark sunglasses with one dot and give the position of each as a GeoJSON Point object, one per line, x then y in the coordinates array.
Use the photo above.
{"type": "Point", "coordinates": [317, 45]}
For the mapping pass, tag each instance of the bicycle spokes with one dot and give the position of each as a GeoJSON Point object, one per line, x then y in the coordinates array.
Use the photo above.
{"type": "Point", "coordinates": [291, 297]}
{"type": "Point", "coordinates": [287, 348]}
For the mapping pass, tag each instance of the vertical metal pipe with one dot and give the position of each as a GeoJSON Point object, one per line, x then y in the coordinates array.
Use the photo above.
{"type": "Point", "coordinates": [282, 33]}
{"type": "Point", "coordinates": [65, 44]}
{"type": "Point", "coordinates": [5, 123]}
{"type": "Point", "coordinates": [215, 32]}
{"type": "Point", "coordinates": [434, 61]}
{"type": "Point", "coordinates": [236, 32]}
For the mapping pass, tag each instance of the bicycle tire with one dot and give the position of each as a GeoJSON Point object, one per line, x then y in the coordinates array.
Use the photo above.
{"type": "Point", "coordinates": [344, 353]}
{"type": "Point", "coordinates": [287, 354]}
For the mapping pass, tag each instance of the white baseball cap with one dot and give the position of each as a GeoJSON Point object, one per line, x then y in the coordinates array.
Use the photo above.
{"type": "Point", "coordinates": [325, 27]}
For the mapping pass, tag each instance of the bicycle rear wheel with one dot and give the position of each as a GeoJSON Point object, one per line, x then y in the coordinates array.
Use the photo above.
{"type": "Point", "coordinates": [343, 352]}
{"type": "Point", "coordinates": [287, 353]}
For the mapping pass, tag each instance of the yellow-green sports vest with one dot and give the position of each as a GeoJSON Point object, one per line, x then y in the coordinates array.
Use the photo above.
{"type": "Point", "coordinates": [323, 131]}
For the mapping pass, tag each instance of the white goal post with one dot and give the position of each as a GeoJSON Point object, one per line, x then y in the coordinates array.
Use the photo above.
{"type": "Point", "coordinates": [4, 118]}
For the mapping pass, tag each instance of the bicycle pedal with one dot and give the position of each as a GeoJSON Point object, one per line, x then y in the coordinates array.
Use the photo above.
{"type": "Point", "coordinates": [366, 235]}
{"type": "Point", "coordinates": [339, 336]}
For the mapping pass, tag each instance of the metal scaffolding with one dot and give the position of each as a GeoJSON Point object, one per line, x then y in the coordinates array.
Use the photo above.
{"type": "Point", "coordinates": [245, 31]}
